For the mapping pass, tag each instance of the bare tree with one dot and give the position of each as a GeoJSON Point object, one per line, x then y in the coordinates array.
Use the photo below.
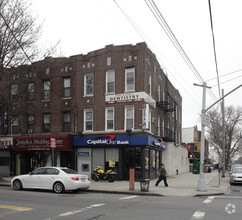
{"type": "Point", "coordinates": [19, 33]}
{"type": "Point", "coordinates": [233, 139]}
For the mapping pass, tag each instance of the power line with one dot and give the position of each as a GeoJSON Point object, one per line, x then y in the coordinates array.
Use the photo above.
{"type": "Point", "coordinates": [228, 80]}
{"type": "Point", "coordinates": [214, 48]}
{"type": "Point", "coordinates": [225, 75]}
{"type": "Point", "coordinates": [144, 37]}
{"type": "Point", "coordinates": [161, 20]}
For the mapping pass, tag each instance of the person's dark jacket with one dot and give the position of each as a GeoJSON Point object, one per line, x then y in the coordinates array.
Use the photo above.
{"type": "Point", "coordinates": [162, 171]}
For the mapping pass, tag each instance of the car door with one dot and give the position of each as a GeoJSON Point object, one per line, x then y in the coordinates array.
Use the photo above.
{"type": "Point", "coordinates": [47, 180]}
{"type": "Point", "coordinates": [33, 179]}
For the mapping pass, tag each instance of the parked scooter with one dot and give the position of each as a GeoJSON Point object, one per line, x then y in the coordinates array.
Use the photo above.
{"type": "Point", "coordinates": [99, 174]}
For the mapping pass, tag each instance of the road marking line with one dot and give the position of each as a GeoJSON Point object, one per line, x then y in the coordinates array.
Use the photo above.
{"type": "Point", "coordinates": [209, 199]}
{"type": "Point", "coordinates": [81, 210]}
{"type": "Point", "coordinates": [97, 205]}
{"type": "Point", "coordinates": [15, 207]}
{"type": "Point", "coordinates": [129, 197]}
{"type": "Point", "coordinates": [198, 215]}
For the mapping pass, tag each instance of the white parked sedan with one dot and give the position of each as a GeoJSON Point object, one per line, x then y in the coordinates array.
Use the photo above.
{"type": "Point", "coordinates": [57, 179]}
{"type": "Point", "coordinates": [236, 175]}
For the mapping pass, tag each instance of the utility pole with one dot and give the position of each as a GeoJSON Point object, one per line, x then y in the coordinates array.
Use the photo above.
{"type": "Point", "coordinates": [201, 185]}
{"type": "Point", "coordinates": [223, 126]}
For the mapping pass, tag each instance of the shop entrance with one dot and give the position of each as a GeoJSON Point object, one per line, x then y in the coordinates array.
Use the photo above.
{"type": "Point", "coordinates": [132, 160]}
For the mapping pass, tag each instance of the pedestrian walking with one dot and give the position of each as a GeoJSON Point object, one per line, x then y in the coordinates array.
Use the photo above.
{"type": "Point", "coordinates": [162, 176]}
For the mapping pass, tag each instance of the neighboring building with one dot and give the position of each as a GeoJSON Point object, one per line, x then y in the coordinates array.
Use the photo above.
{"type": "Point", "coordinates": [113, 107]}
{"type": "Point", "coordinates": [191, 137]}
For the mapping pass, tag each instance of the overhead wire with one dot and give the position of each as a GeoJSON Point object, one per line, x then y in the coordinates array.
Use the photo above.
{"type": "Point", "coordinates": [214, 47]}
{"type": "Point", "coordinates": [225, 75]}
{"type": "Point", "coordinates": [144, 37]}
{"type": "Point", "coordinates": [161, 20]}
{"type": "Point", "coordinates": [24, 52]}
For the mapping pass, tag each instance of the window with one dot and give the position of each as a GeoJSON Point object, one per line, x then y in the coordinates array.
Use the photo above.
{"type": "Point", "coordinates": [158, 125]}
{"type": "Point", "coordinates": [46, 127]}
{"type": "Point", "coordinates": [46, 90]}
{"type": "Point", "coordinates": [129, 117]}
{"type": "Point", "coordinates": [31, 91]}
{"type": "Point", "coordinates": [149, 85]}
{"type": "Point", "coordinates": [66, 121]}
{"type": "Point", "coordinates": [88, 84]}
{"type": "Point", "coordinates": [110, 81]}
{"type": "Point", "coordinates": [30, 124]}
{"type": "Point", "coordinates": [14, 93]}
{"type": "Point", "coordinates": [14, 125]}
{"type": "Point", "coordinates": [109, 119]}
{"type": "Point", "coordinates": [130, 79]}
{"type": "Point", "coordinates": [88, 120]}
{"type": "Point", "coordinates": [159, 93]}
{"type": "Point", "coordinates": [67, 87]}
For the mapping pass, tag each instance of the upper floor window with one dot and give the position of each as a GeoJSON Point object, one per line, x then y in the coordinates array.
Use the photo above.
{"type": "Point", "coordinates": [109, 122]}
{"type": "Point", "coordinates": [30, 124]}
{"type": "Point", "coordinates": [66, 121]}
{"type": "Point", "coordinates": [88, 120]}
{"type": "Point", "coordinates": [67, 87]}
{"type": "Point", "coordinates": [88, 84]}
{"type": "Point", "coordinates": [129, 117]}
{"type": "Point", "coordinates": [31, 91]}
{"type": "Point", "coordinates": [46, 90]}
{"type": "Point", "coordinates": [14, 92]}
{"type": "Point", "coordinates": [130, 79]}
{"type": "Point", "coordinates": [110, 81]}
{"type": "Point", "coordinates": [158, 95]}
{"type": "Point", "coordinates": [150, 84]}
{"type": "Point", "coordinates": [14, 125]}
{"type": "Point", "coordinates": [158, 125]}
{"type": "Point", "coordinates": [46, 126]}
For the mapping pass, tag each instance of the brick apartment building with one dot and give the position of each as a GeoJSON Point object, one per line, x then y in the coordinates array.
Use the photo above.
{"type": "Point", "coordinates": [112, 107]}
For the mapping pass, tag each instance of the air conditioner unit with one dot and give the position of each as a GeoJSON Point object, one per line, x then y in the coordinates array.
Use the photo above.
{"type": "Point", "coordinates": [30, 131]}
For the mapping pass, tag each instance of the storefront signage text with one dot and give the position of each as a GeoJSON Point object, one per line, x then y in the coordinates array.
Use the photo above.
{"type": "Point", "coordinates": [130, 97]}
{"type": "Point", "coordinates": [6, 141]}
{"type": "Point", "coordinates": [62, 142]}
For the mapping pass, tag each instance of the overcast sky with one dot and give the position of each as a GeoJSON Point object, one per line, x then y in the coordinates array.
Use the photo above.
{"type": "Point", "coordinates": [82, 26]}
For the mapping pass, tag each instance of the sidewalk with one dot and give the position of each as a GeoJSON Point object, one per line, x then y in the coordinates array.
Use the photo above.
{"type": "Point", "coordinates": [180, 185]}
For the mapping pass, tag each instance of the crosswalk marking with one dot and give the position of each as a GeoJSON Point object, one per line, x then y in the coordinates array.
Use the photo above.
{"type": "Point", "coordinates": [15, 207]}
{"type": "Point", "coordinates": [128, 197]}
{"type": "Point", "coordinates": [209, 199]}
{"type": "Point", "coordinates": [198, 215]}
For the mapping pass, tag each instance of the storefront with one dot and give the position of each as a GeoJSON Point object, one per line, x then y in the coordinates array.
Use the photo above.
{"type": "Point", "coordinates": [37, 151]}
{"type": "Point", "coordinates": [141, 152]}
{"type": "Point", "coordinates": [6, 156]}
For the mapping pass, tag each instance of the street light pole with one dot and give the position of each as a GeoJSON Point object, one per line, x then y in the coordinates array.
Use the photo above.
{"type": "Point", "coordinates": [201, 185]}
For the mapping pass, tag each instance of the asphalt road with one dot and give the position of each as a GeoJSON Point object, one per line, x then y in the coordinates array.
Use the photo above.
{"type": "Point", "coordinates": [45, 205]}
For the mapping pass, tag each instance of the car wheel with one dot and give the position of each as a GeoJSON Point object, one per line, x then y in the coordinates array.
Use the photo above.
{"type": "Point", "coordinates": [17, 185]}
{"type": "Point", "coordinates": [58, 187]}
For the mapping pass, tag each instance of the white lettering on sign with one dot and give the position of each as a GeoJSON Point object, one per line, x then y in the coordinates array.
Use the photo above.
{"type": "Point", "coordinates": [6, 141]}
{"type": "Point", "coordinates": [107, 142]}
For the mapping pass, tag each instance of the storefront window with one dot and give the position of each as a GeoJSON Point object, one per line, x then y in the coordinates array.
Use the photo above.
{"type": "Point", "coordinates": [152, 164]}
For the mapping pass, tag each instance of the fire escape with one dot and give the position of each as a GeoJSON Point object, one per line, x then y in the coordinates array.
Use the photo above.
{"type": "Point", "coordinates": [168, 106]}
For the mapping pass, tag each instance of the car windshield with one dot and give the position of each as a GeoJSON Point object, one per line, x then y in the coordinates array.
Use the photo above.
{"type": "Point", "coordinates": [69, 171]}
{"type": "Point", "coordinates": [238, 170]}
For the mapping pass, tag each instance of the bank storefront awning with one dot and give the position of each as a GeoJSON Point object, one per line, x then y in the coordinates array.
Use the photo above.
{"type": "Point", "coordinates": [42, 142]}
{"type": "Point", "coordinates": [119, 141]}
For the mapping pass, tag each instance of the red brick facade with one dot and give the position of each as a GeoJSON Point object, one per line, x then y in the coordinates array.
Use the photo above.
{"type": "Point", "coordinates": [168, 107]}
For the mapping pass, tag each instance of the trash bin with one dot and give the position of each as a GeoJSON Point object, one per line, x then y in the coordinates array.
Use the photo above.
{"type": "Point", "coordinates": [144, 185]}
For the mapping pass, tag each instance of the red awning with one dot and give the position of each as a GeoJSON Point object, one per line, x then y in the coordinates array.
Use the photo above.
{"type": "Point", "coordinates": [42, 142]}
